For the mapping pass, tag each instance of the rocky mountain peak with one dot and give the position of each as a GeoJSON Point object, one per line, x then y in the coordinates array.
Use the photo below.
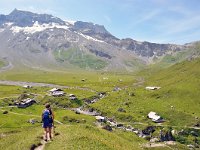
{"type": "Point", "coordinates": [25, 18]}
{"type": "Point", "coordinates": [17, 11]}
{"type": "Point", "coordinates": [94, 30]}
{"type": "Point", "coordinates": [35, 34]}
{"type": "Point", "coordinates": [89, 27]}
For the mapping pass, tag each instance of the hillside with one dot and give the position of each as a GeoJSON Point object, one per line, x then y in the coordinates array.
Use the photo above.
{"type": "Point", "coordinates": [43, 41]}
{"type": "Point", "coordinates": [177, 101]}
{"type": "Point", "coordinates": [78, 130]}
{"type": "Point", "coordinates": [179, 88]}
{"type": "Point", "coordinates": [190, 53]}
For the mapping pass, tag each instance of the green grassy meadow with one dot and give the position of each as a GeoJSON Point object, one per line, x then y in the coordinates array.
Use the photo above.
{"type": "Point", "coordinates": [177, 102]}
{"type": "Point", "coordinates": [75, 57]}
{"type": "Point", "coordinates": [179, 88]}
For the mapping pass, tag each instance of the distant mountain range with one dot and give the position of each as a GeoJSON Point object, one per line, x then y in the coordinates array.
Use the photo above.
{"type": "Point", "coordinates": [44, 41]}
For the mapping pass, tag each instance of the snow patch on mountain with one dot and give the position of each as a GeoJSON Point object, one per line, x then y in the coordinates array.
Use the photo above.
{"type": "Point", "coordinates": [71, 22]}
{"type": "Point", "coordinates": [8, 24]}
{"type": "Point", "coordinates": [1, 30]}
{"type": "Point", "coordinates": [37, 28]}
{"type": "Point", "coordinates": [89, 37]}
{"type": "Point", "coordinates": [27, 37]}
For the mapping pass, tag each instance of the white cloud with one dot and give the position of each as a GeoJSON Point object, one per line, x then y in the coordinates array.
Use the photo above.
{"type": "Point", "coordinates": [179, 26]}
{"type": "Point", "coordinates": [147, 16]}
{"type": "Point", "coordinates": [180, 10]}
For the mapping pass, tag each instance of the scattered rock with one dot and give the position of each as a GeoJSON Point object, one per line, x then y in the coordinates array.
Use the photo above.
{"type": "Point", "coordinates": [197, 125]}
{"type": "Point", "coordinates": [116, 89]}
{"type": "Point", "coordinates": [136, 132]}
{"type": "Point", "coordinates": [169, 136]}
{"type": "Point", "coordinates": [174, 132]}
{"type": "Point", "coordinates": [88, 101]}
{"type": "Point", "coordinates": [91, 109]}
{"type": "Point", "coordinates": [166, 136]}
{"type": "Point", "coordinates": [33, 146]}
{"type": "Point", "coordinates": [77, 112]}
{"type": "Point", "coordinates": [191, 146]}
{"type": "Point", "coordinates": [153, 140]}
{"type": "Point", "coordinates": [120, 125]}
{"type": "Point", "coordinates": [111, 119]}
{"type": "Point", "coordinates": [102, 94]}
{"type": "Point", "coordinates": [194, 133]}
{"type": "Point", "coordinates": [126, 103]}
{"type": "Point", "coordinates": [149, 130]}
{"type": "Point", "coordinates": [107, 127]}
{"type": "Point", "coordinates": [100, 118]}
{"type": "Point", "coordinates": [121, 110]}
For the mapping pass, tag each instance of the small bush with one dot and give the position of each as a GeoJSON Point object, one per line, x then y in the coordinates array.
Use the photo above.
{"type": "Point", "coordinates": [5, 112]}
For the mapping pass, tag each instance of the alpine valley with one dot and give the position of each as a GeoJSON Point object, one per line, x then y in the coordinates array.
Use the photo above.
{"type": "Point", "coordinates": [106, 93]}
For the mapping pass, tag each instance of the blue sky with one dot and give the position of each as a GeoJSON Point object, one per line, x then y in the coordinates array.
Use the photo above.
{"type": "Point", "coordinates": [161, 21]}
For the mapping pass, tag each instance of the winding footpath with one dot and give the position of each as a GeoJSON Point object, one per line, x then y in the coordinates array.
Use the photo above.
{"type": "Point", "coordinates": [41, 147]}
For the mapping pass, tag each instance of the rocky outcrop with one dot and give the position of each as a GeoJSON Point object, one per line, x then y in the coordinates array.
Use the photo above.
{"type": "Point", "coordinates": [149, 130]}
{"type": "Point", "coordinates": [25, 18]}
{"type": "Point", "coordinates": [166, 136]}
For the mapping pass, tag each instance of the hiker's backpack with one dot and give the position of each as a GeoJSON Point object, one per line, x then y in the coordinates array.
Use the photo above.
{"type": "Point", "coordinates": [47, 116]}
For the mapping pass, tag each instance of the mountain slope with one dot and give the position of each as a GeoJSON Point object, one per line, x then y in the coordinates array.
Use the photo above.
{"type": "Point", "coordinates": [190, 53]}
{"type": "Point", "coordinates": [35, 40]}
{"type": "Point", "coordinates": [179, 93]}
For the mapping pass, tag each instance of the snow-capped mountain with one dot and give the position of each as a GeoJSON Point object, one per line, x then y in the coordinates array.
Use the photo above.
{"type": "Point", "coordinates": [42, 40]}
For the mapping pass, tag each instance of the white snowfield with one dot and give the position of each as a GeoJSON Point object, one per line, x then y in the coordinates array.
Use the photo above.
{"type": "Point", "coordinates": [37, 28]}
{"type": "Point", "coordinates": [8, 23]}
{"type": "Point", "coordinates": [41, 27]}
{"type": "Point", "coordinates": [89, 37]}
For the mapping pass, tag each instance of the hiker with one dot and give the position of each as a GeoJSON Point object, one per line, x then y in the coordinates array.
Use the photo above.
{"type": "Point", "coordinates": [47, 119]}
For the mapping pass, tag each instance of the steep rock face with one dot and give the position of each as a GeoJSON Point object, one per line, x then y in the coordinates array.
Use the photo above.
{"type": "Point", "coordinates": [147, 49]}
{"type": "Point", "coordinates": [94, 30]}
{"type": "Point", "coordinates": [144, 49]}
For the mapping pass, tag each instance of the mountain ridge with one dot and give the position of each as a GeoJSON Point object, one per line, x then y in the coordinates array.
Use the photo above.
{"type": "Point", "coordinates": [37, 36]}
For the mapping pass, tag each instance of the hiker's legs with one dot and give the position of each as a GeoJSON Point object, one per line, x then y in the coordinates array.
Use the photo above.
{"type": "Point", "coordinates": [50, 136]}
{"type": "Point", "coordinates": [46, 132]}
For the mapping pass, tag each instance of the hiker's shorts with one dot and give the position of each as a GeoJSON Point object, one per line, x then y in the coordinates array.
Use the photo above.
{"type": "Point", "coordinates": [47, 124]}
